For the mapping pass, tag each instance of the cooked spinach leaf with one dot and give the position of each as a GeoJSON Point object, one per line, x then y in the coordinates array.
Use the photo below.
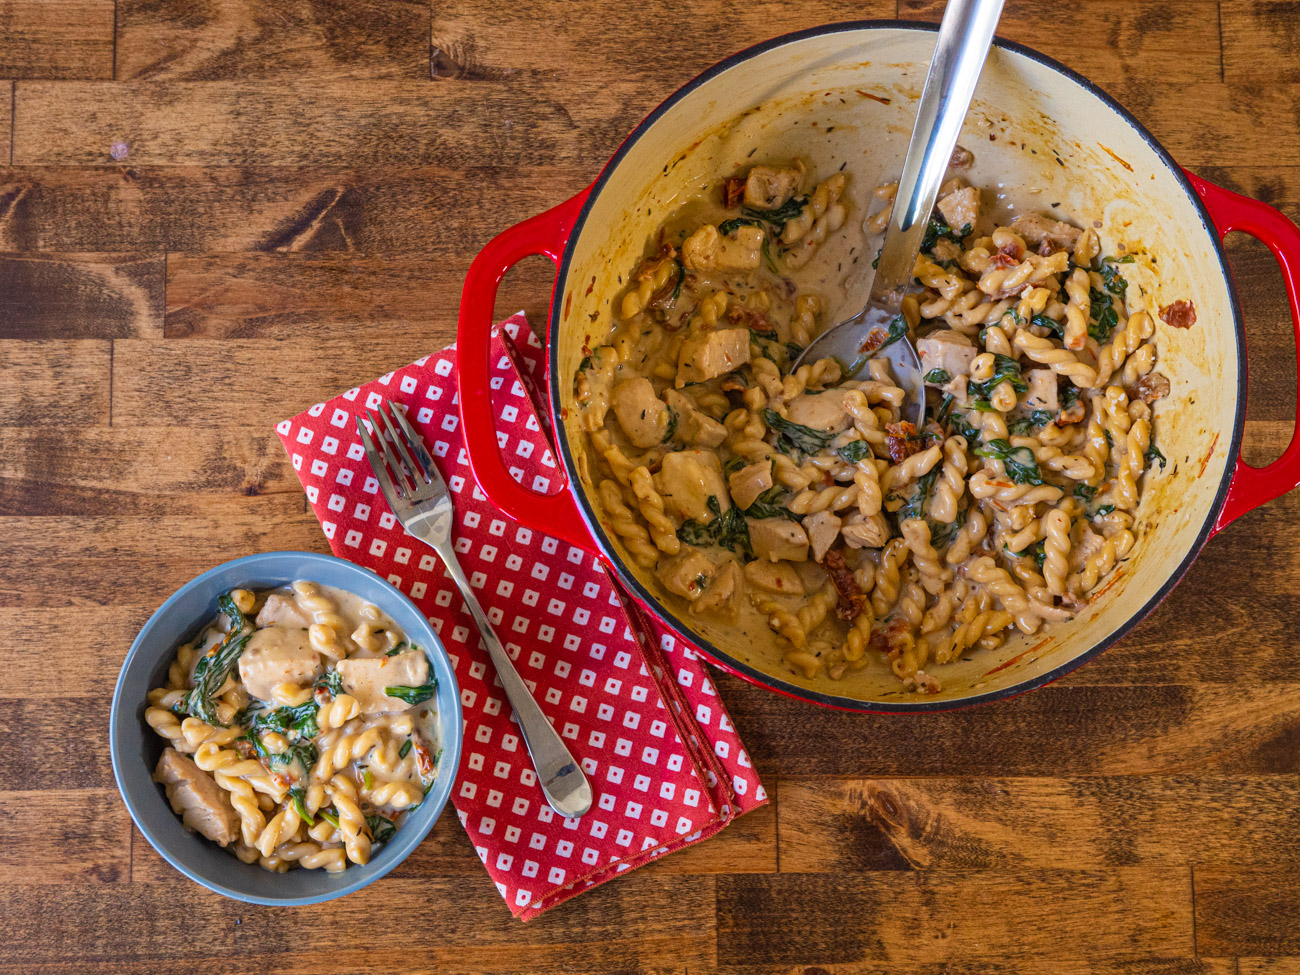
{"type": "Point", "coordinates": [1020, 427]}
{"type": "Point", "coordinates": [854, 451]}
{"type": "Point", "coordinates": [1051, 324]}
{"type": "Point", "coordinates": [413, 695]}
{"type": "Point", "coordinates": [1104, 316]}
{"type": "Point", "coordinates": [795, 436]}
{"type": "Point", "coordinates": [938, 376]}
{"type": "Point", "coordinates": [298, 799]}
{"type": "Point", "coordinates": [1005, 370]}
{"type": "Point", "coordinates": [1020, 463]}
{"type": "Point", "coordinates": [1085, 492]}
{"type": "Point", "coordinates": [768, 505]}
{"type": "Point", "coordinates": [673, 420]}
{"type": "Point", "coordinates": [381, 828]}
{"type": "Point", "coordinates": [779, 217]}
{"type": "Point", "coordinates": [331, 681]}
{"type": "Point", "coordinates": [405, 749]}
{"type": "Point", "coordinates": [937, 229]}
{"type": "Point", "coordinates": [214, 666]}
{"type": "Point", "coordinates": [1153, 454]}
{"type": "Point", "coordinates": [729, 227]}
{"type": "Point", "coordinates": [727, 530]}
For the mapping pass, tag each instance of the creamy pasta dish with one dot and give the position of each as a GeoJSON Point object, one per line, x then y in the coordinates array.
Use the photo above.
{"type": "Point", "coordinates": [300, 728]}
{"type": "Point", "coordinates": [797, 502]}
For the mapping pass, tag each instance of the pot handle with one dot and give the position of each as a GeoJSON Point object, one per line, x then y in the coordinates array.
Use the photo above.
{"type": "Point", "coordinates": [1252, 486]}
{"type": "Point", "coordinates": [547, 234]}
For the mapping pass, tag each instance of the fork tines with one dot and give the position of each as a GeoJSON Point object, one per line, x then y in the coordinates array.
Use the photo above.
{"type": "Point", "coordinates": [412, 469]}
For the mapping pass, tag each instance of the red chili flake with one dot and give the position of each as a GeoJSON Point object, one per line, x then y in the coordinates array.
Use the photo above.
{"type": "Point", "coordinates": [1181, 314]}
{"type": "Point", "coordinates": [733, 191]}
{"type": "Point", "coordinates": [423, 760]}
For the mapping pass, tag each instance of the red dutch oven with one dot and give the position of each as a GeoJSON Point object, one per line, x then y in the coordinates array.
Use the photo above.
{"type": "Point", "coordinates": [1042, 135]}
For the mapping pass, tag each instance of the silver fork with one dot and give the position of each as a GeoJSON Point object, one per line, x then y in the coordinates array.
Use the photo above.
{"type": "Point", "coordinates": [419, 498]}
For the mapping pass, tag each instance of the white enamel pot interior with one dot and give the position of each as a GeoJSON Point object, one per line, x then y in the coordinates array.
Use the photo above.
{"type": "Point", "coordinates": [845, 94]}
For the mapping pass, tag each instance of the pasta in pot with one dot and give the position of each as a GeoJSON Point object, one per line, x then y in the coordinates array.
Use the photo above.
{"type": "Point", "coordinates": [797, 498]}
{"type": "Point", "coordinates": [299, 728]}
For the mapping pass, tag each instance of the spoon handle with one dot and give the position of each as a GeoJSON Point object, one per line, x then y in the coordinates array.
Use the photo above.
{"type": "Point", "coordinates": [964, 39]}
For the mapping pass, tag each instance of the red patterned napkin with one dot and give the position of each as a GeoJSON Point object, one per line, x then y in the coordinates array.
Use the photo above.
{"type": "Point", "coordinates": [638, 711]}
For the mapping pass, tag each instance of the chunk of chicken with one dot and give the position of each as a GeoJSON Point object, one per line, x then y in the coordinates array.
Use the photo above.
{"type": "Point", "coordinates": [778, 577]}
{"type": "Point", "coordinates": [821, 411]}
{"type": "Point", "coordinates": [687, 479]}
{"type": "Point", "coordinates": [822, 529]}
{"type": "Point", "coordinates": [277, 655]}
{"type": "Point", "coordinates": [767, 187]}
{"type": "Point", "coordinates": [721, 596]}
{"type": "Point", "coordinates": [686, 573]}
{"type": "Point", "coordinates": [749, 482]}
{"type": "Point", "coordinates": [865, 531]}
{"type": "Point", "coordinates": [693, 426]}
{"type": "Point", "coordinates": [283, 610]}
{"type": "Point", "coordinates": [195, 796]}
{"type": "Point", "coordinates": [709, 250]}
{"type": "Point", "coordinates": [709, 354]}
{"type": "Point", "coordinates": [948, 350]}
{"type": "Point", "coordinates": [1037, 229]}
{"type": "Point", "coordinates": [642, 415]}
{"type": "Point", "coordinates": [1042, 393]}
{"type": "Point", "coordinates": [775, 539]}
{"type": "Point", "coordinates": [961, 209]}
{"type": "Point", "coordinates": [366, 677]}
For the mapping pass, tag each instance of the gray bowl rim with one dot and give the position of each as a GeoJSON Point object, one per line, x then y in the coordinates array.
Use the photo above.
{"type": "Point", "coordinates": [408, 837]}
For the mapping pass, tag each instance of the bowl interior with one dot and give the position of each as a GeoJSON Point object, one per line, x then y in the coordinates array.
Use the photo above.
{"type": "Point", "coordinates": [135, 748]}
{"type": "Point", "coordinates": [1044, 141]}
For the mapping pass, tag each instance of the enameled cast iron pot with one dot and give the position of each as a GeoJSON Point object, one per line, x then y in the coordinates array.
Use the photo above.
{"type": "Point", "coordinates": [843, 94]}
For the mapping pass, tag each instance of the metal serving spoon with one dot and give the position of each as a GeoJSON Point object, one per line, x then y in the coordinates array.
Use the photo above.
{"type": "Point", "coordinates": [963, 45]}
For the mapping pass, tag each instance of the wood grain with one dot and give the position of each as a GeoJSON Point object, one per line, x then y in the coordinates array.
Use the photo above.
{"type": "Point", "coordinates": [853, 825]}
{"type": "Point", "coordinates": [71, 652]}
{"type": "Point", "coordinates": [177, 40]}
{"type": "Point", "coordinates": [479, 40]}
{"type": "Point", "coordinates": [1129, 730]}
{"type": "Point", "coordinates": [818, 919]}
{"type": "Point", "coordinates": [320, 296]}
{"type": "Point", "coordinates": [56, 39]}
{"type": "Point", "coordinates": [1248, 910]}
{"type": "Point", "coordinates": [903, 964]}
{"type": "Point", "coordinates": [76, 372]}
{"type": "Point", "coordinates": [170, 922]}
{"type": "Point", "coordinates": [1106, 40]}
{"type": "Point", "coordinates": [276, 378]}
{"type": "Point", "coordinates": [81, 296]}
{"type": "Point", "coordinates": [432, 210]}
{"type": "Point", "coordinates": [91, 826]}
{"type": "Point", "coordinates": [1260, 38]}
{"type": "Point", "coordinates": [146, 471]}
{"type": "Point", "coordinates": [1268, 966]}
{"type": "Point", "coordinates": [320, 123]}
{"type": "Point", "coordinates": [118, 559]}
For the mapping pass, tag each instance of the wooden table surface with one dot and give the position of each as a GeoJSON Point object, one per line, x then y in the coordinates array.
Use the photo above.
{"type": "Point", "coordinates": [216, 212]}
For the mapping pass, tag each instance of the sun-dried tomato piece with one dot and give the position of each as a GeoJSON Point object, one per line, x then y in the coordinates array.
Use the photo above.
{"type": "Point", "coordinates": [901, 441]}
{"type": "Point", "coordinates": [852, 598]}
{"type": "Point", "coordinates": [1180, 314]}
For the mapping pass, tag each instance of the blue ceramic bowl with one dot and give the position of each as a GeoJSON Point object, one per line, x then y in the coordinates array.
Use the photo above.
{"type": "Point", "coordinates": [135, 748]}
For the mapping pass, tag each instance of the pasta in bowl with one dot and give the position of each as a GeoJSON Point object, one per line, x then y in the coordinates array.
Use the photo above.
{"type": "Point", "coordinates": [305, 726]}
{"type": "Point", "coordinates": [795, 505]}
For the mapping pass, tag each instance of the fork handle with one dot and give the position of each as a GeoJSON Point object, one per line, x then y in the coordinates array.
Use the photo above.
{"type": "Point", "coordinates": [563, 782]}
